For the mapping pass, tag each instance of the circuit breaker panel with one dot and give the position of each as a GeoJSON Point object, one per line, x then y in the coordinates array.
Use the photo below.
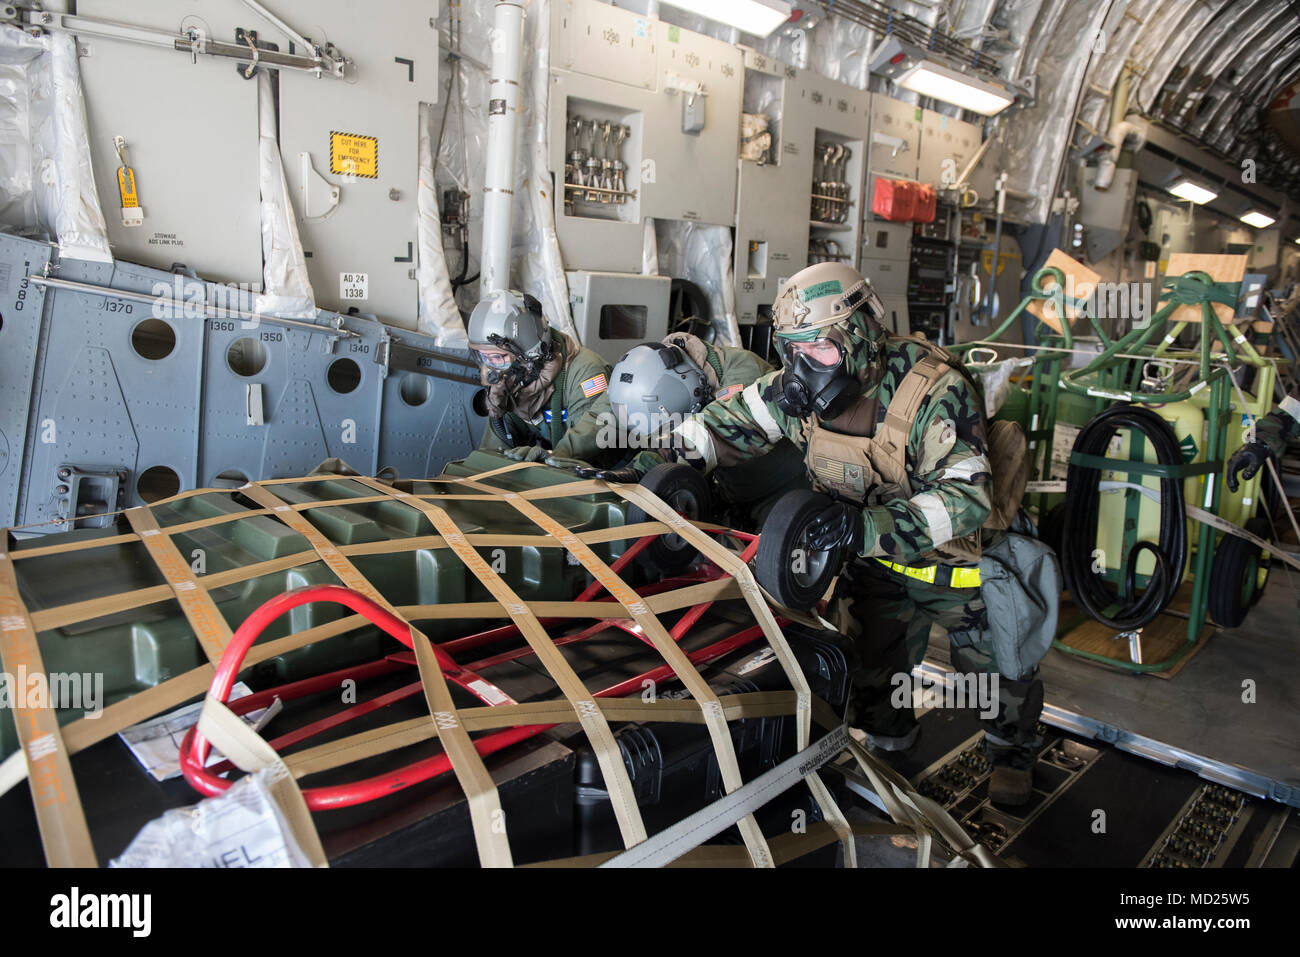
{"type": "Point", "coordinates": [644, 119]}
{"type": "Point", "coordinates": [799, 197]}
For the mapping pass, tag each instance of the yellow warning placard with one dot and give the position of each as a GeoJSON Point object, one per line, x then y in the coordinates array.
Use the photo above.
{"type": "Point", "coordinates": [352, 154]}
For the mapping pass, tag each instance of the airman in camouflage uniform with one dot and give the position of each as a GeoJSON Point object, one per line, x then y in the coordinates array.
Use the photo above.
{"type": "Point", "coordinates": [545, 394]}
{"type": "Point", "coordinates": [639, 386]}
{"type": "Point", "coordinates": [914, 554]}
{"type": "Point", "coordinates": [1272, 432]}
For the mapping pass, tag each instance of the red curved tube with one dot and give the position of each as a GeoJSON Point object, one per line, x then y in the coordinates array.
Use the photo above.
{"type": "Point", "coordinates": [195, 748]}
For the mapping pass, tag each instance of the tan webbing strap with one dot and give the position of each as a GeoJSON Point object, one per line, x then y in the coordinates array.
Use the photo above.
{"type": "Point", "coordinates": [485, 813]}
{"type": "Point", "coordinates": [785, 847]}
{"type": "Point", "coordinates": [84, 732]}
{"type": "Point", "coordinates": [744, 578]}
{"type": "Point", "coordinates": [401, 734]}
{"type": "Point", "coordinates": [892, 436]}
{"type": "Point", "coordinates": [62, 823]}
{"type": "Point", "coordinates": [472, 775]}
{"type": "Point", "coordinates": [584, 706]}
{"type": "Point", "coordinates": [108, 605]}
{"type": "Point", "coordinates": [249, 752]}
{"type": "Point", "coordinates": [490, 473]}
{"type": "Point", "coordinates": [920, 813]}
{"type": "Point", "coordinates": [200, 610]}
{"type": "Point", "coordinates": [657, 635]}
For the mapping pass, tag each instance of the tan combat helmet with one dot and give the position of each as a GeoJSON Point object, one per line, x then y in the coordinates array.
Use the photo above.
{"type": "Point", "coordinates": [822, 295]}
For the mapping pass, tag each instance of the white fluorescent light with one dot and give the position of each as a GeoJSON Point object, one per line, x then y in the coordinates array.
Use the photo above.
{"type": "Point", "coordinates": [1186, 189]}
{"type": "Point", "coordinates": [759, 17]}
{"type": "Point", "coordinates": [1257, 219]}
{"type": "Point", "coordinates": [932, 79]}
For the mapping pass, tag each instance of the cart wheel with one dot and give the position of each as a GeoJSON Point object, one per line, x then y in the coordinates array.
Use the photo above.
{"type": "Point", "coordinates": [1051, 526]}
{"type": "Point", "coordinates": [793, 574]}
{"type": "Point", "coordinates": [684, 490]}
{"type": "Point", "coordinates": [1238, 575]}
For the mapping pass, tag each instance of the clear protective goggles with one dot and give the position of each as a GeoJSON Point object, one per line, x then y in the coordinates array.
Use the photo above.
{"type": "Point", "coordinates": [494, 358]}
{"type": "Point", "coordinates": [820, 352]}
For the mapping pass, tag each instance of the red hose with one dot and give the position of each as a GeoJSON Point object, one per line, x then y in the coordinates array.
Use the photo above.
{"type": "Point", "coordinates": [195, 749]}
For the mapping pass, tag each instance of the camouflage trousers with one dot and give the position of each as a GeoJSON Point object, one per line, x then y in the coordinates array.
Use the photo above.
{"type": "Point", "coordinates": [888, 617]}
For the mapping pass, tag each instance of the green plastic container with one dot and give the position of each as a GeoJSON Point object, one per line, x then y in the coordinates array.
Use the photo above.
{"type": "Point", "coordinates": [145, 646]}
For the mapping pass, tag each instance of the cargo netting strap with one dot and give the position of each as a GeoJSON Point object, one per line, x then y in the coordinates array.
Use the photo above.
{"type": "Point", "coordinates": [587, 710]}
{"type": "Point", "coordinates": [210, 628]}
{"type": "Point", "coordinates": [248, 751]}
{"type": "Point", "coordinates": [467, 764]}
{"type": "Point", "coordinates": [62, 823]}
{"type": "Point", "coordinates": [657, 636]}
{"type": "Point", "coordinates": [59, 815]}
{"type": "Point", "coordinates": [740, 573]}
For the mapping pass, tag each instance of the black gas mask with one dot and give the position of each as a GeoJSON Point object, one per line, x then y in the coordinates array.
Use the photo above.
{"type": "Point", "coordinates": [815, 380]}
{"type": "Point", "coordinates": [522, 369]}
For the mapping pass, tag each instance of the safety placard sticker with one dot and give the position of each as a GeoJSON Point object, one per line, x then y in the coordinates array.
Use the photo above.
{"type": "Point", "coordinates": [354, 286]}
{"type": "Point", "coordinates": [352, 154]}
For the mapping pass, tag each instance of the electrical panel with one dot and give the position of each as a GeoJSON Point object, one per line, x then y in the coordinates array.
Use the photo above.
{"type": "Point", "coordinates": [886, 252]}
{"type": "Point", "coordinates": [773, 189]}
{"type": "Point", "coordinates": [927, 283]}
{"type": "Point", "coordinates": [895, 140]}
{"type": "Point", "coordinates": [598, 141]}
{"type": "Point", "coordinates": [800, 200]}
{"type": "Point", "coordinates": [671, 101]}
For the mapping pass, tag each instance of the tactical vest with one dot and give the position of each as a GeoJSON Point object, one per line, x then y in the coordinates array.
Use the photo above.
{"type": "Point", "coordinates": [855, 459]}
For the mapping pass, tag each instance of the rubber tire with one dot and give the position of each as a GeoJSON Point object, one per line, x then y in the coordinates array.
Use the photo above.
{"type": "Point", "coordinates": [1051, 528]}
{"type": "Point", "coordinates": [670, 555]}
{"type": "Point", "coordinates": [783, 532]}
{"type": "Point", "coordinates": [1231, 595]}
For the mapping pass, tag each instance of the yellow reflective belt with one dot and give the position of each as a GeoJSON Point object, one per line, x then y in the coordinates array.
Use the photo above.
{"type": "Point", "coordinates": [961, 577]}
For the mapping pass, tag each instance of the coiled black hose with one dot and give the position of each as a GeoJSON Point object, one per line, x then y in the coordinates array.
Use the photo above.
{"type": "Point", "coordinates": [1082, 505]}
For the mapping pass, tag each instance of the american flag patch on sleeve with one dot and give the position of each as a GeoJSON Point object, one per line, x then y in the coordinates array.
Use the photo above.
{"type": "Point", "coordinates": [595, 385]}
{"type": "Point", "coordinates": [728, 392]}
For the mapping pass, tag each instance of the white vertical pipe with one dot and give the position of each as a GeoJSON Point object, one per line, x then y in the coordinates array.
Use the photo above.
{"type": "Point", "coordinates": [502, 144]}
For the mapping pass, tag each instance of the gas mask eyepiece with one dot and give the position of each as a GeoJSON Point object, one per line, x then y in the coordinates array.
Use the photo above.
{"type": "Point", "coordinates": [815, 380]}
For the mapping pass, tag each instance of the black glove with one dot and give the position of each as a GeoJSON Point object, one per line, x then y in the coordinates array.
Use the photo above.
{"type": "Point", "coordinates": [838, 525]}
{"type": "Point", "coordinates": [627, 474]}
{"type": "Point", "coordinates": [1248, 460]}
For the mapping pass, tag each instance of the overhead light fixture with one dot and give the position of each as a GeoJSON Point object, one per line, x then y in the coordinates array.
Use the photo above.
{"type": "Point", "coordinates": [1184, 188]}
{"type": "Point", "coordinates": [1257, 219]}
{"type": "Point", "coordinates": [759, 17]}
{"type": "Point", "coordinates": [917, 70]}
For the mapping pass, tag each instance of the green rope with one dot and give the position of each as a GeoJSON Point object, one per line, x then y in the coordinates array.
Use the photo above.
{"type": "Point", "coordinates": [714, 361]}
